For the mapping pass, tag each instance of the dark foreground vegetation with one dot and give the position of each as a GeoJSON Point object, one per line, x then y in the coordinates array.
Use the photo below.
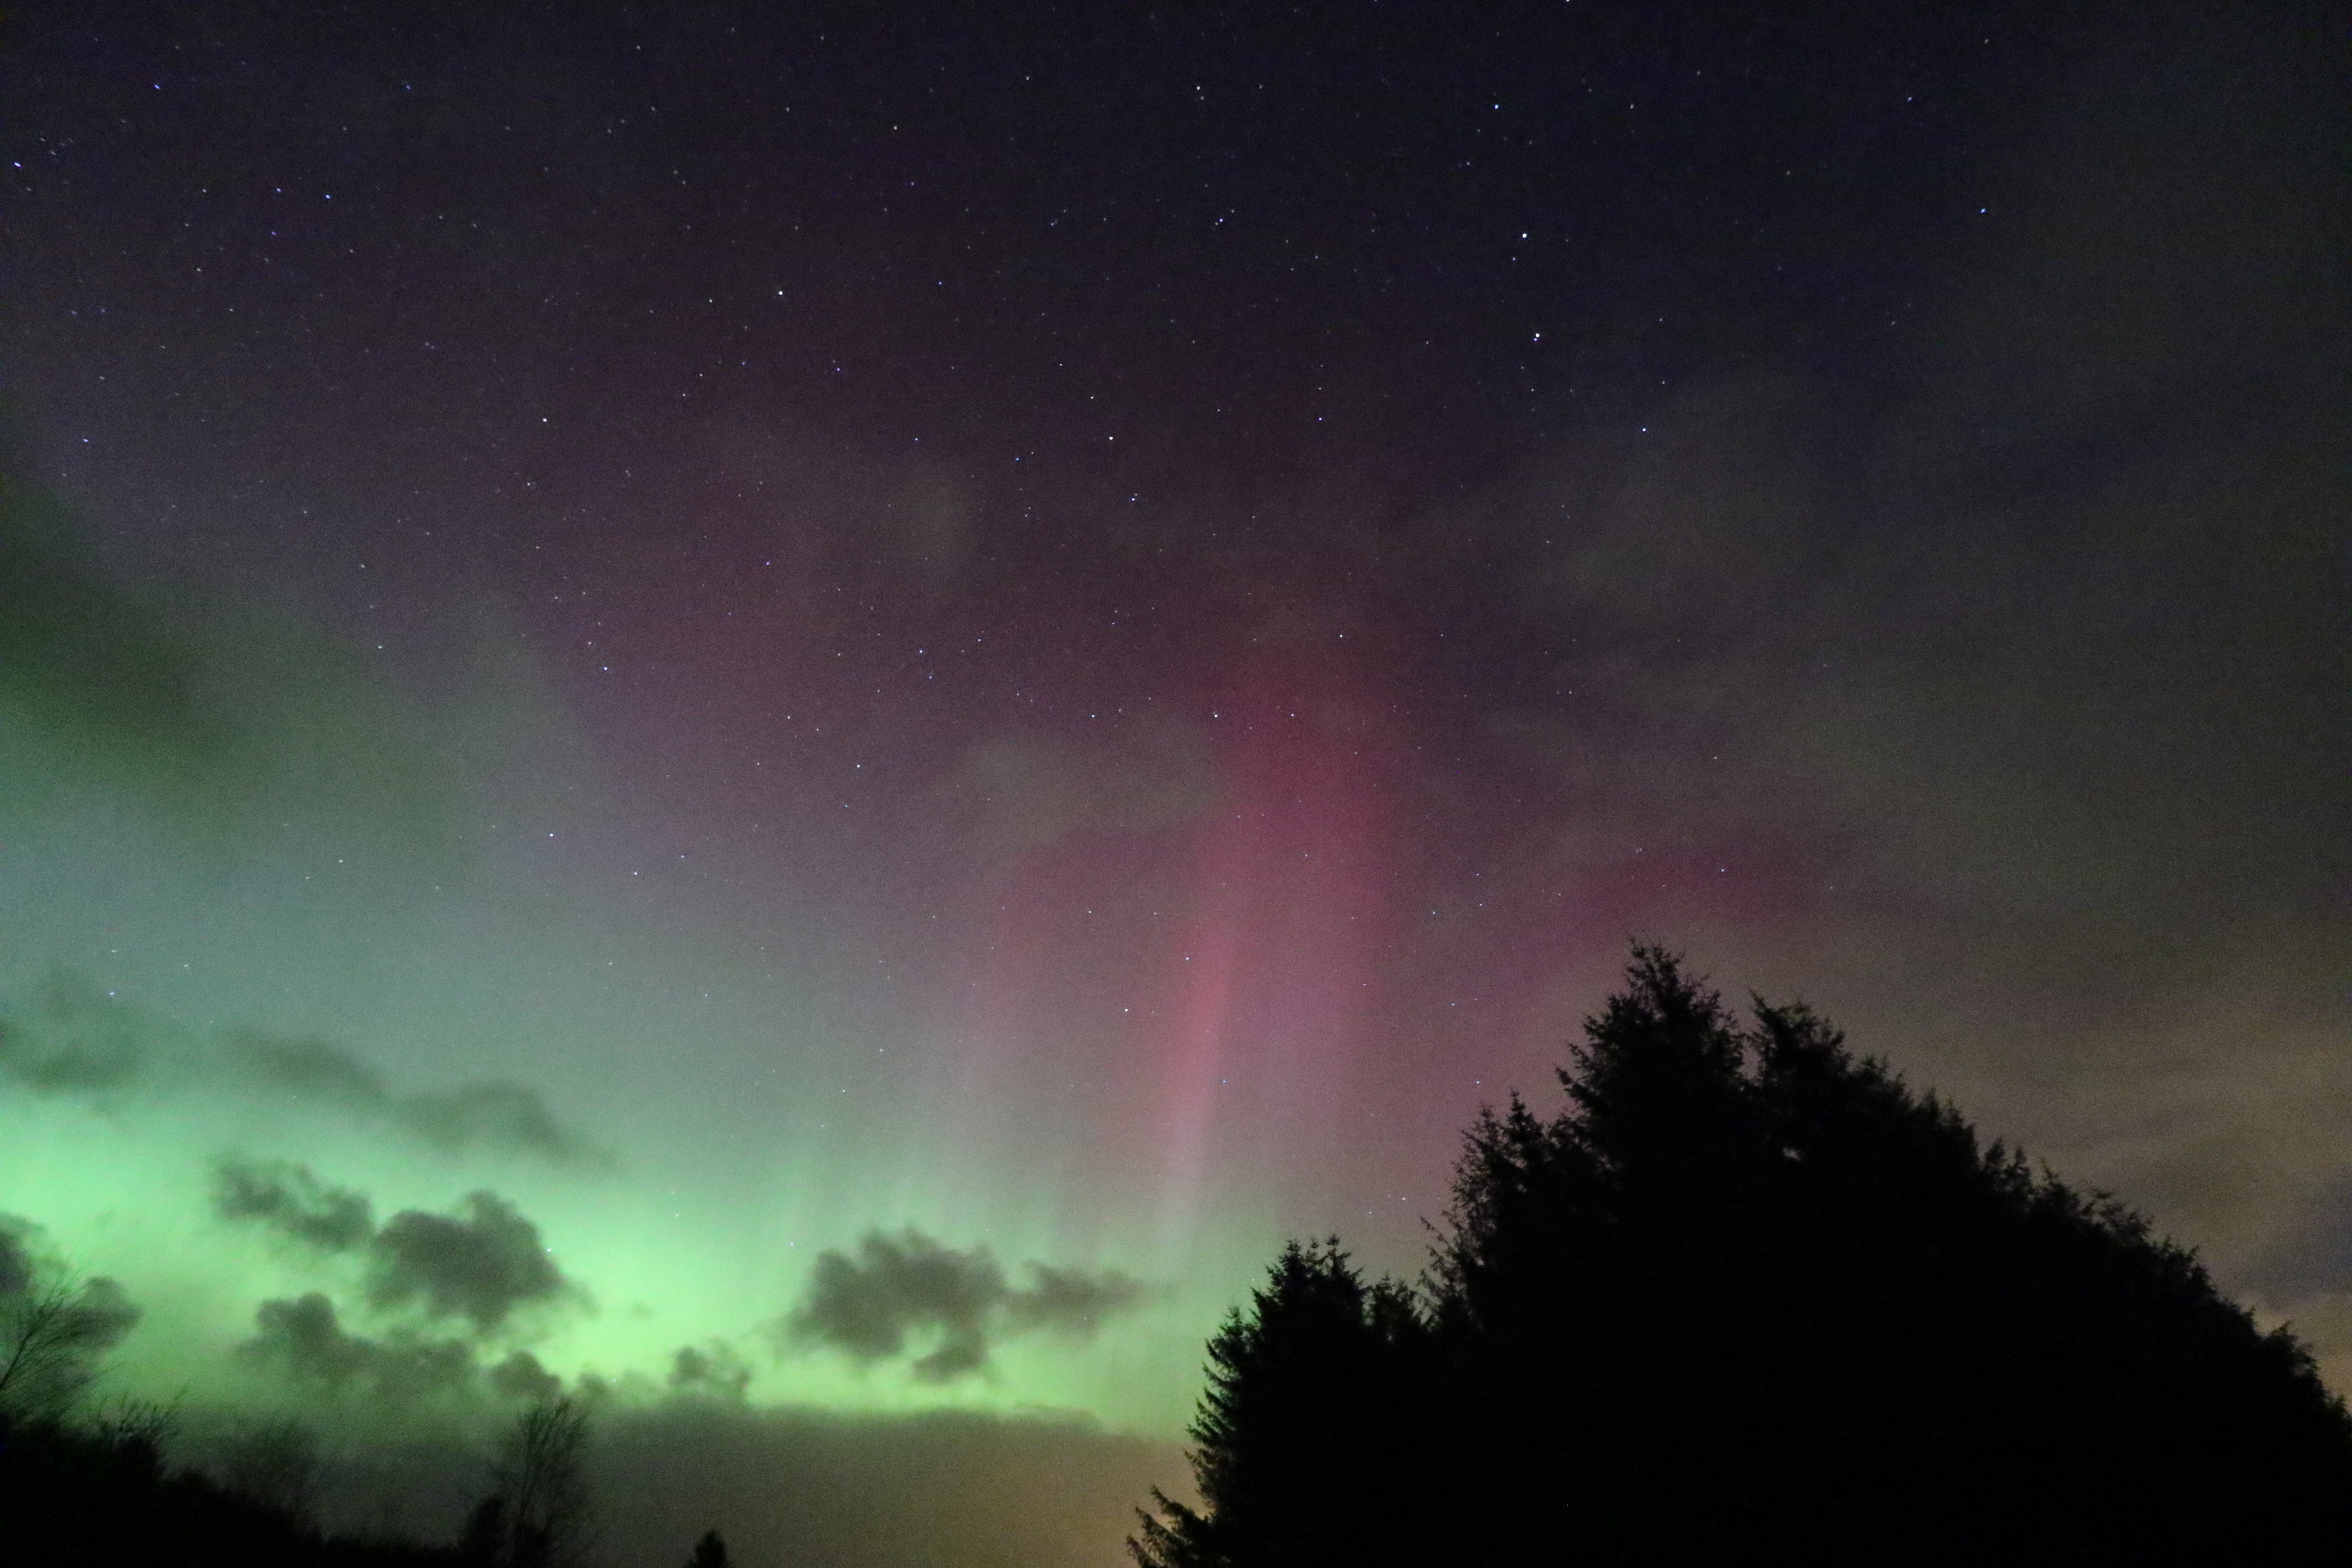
{"type": "Point", "coordinates": [102, 1494]}
{"type": "Point", "coordinates": [99, 1494]}
{"type": "Point", "coordinates": [1748, 1299]}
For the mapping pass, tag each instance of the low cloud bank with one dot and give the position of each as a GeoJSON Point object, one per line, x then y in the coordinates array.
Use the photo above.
{"type": "Point", "coordinates": [818, 1490]}
{"type": "Point", "coordinates": [806, 1487]}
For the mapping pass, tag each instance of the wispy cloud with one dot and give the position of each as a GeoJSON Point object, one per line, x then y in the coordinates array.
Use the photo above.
{"type": "Point", "coordinates": [289, 1199]}
{"type": "Point", "coordinates": [496, 1113]}
{"type": "Point", "coordinates": [69, 1038]}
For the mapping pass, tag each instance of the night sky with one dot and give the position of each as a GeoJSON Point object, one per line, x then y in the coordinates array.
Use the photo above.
{"type": "Point", "coordinates": [808, 714]}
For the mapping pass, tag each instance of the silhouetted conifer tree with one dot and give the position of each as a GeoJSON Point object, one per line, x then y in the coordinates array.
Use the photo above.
{"type": "Point", "coordinates": [1306, 1432]}
{"type": "Point", "coordinates": [1747, 1298]}
{"type": "Point", "coordinates": [710, 1551]}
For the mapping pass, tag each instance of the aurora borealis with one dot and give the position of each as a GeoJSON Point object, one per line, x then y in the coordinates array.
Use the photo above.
{"type": "Point", "coordinates": [818, 713]}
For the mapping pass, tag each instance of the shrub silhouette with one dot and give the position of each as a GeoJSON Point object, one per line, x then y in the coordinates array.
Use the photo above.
{"type": "Point", "coordinates": [1747, 1298]}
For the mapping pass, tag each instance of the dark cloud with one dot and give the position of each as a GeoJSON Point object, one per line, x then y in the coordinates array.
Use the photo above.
{"type": "Point", "coordinates": [897, 1286]}
{"type": "Point", "coordinates": [522, 1377]}
{"type": "Point", "coordinates": [106, 1312]}
{"type": "Point", "coordinates": [480, 1265]}
{"type": "Point", "coordinates": [303, 1340]}
{"type": "Point", "coordinates": [1071, 1301]}
{"type": "Point", "coordinates": [497, 1114]}
{"type": "Point", "coordinates": [74, 1039]}
{"type": "Point", "coordinates": [712, 1370]}
{"type": "Point", "coordinates": [289, 1200]}
{"type": "Point", "coordinates": [909, 1286]}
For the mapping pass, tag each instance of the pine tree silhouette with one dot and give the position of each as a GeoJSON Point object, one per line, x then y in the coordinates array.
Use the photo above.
{"type": "Point", "coordinates": [1747, 1298]}
{"type": "Point", "coordinates": [1304, 1432]}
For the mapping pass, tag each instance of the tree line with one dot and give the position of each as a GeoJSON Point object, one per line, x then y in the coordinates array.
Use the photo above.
{"type": "Point", "coordinates": [79, 1485]}
{"type": "Point", "coordinates": [1747, 1297]}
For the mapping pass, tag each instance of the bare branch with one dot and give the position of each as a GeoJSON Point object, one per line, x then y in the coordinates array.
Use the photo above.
{"type": "Point", "coordinates": [51, 1336]}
